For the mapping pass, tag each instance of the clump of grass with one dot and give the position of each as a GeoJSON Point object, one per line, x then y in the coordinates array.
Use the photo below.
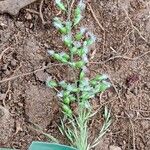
{"type": "Point", "coordinates": [83, 89]}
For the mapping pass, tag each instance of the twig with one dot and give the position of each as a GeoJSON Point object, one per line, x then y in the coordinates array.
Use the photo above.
{"type": "Point", "coordinates": [122, 57]}
{"type": "Point", "coordinates": [94, 16]}
{"type": "Point", "coordinates": [41, 14]}
{"type": "Point", "coordinates": [8, 89]}
{"type": "Point", "coordinates": [28, 73]}
{"type": "Point", "coordinates": [72, 4]}
{"type": "Point", "coordinates": [138, 118]}
{"type": "Point", "coordinates": [2, 53]}
{"type": "Point", "coordinates": [133, 131]}
{"type": "Point", "coordinates": [135, 28]}
{"type": "Point", "coordinates": [33, 11]}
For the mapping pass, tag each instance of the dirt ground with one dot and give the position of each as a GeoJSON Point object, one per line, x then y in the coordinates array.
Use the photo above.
{"type": "Point", "coordinates": [122, 51]}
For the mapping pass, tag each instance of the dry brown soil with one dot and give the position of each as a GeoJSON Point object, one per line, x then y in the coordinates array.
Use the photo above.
{"type": "Point", "coordinates": [122, 51]}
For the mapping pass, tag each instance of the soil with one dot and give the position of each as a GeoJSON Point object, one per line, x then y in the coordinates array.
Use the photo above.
{"type": "Point", "coordinates": [122, 51]}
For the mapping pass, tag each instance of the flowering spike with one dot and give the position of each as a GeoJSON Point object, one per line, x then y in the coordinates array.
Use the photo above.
{"type": "Point", "coordinates": [60, 5]}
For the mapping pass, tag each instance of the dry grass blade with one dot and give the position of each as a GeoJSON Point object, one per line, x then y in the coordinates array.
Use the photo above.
{"type": "Point", "coordinates": [2, 53]}
{"type": "Point", "coordinates": [94, 16]}
{"type": "Point", "coordinates": [104, 128]}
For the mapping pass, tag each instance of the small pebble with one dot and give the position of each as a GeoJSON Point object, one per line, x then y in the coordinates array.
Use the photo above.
{"type": "Point", "coordinates": [20, 104]}
{"type": "Point", "coordinates": [28, 16]}
{"type": "Point", "coordinates": [13, 63]}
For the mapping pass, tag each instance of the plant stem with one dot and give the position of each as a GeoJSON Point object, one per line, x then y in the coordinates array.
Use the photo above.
{"type": "Point", "coordinates": [81, 140]}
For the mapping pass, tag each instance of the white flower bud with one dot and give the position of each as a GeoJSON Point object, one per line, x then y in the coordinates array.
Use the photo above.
{"type": "Point", "coordinates": [50, 52]}
{"type": "Point", "coordinates": [85, 58]}
{"type": "Point", "coordinates": [81, 5]}
{"type": "Point", "coordinates": [77, 44]}
{"type": "Point", "coordinates": [60, 94]}
{"type": "Point", "coordinates": [82, 30]}
{"type": "Point", "coordinates": [105, 76]}
{"type": "Point", "coordinates": [93, 37]}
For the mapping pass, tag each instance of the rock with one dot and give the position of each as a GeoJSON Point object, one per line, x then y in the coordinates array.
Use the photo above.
{"type": "Point", "coordinates": [41, 76]}
{"type": "Point", "coordinates": [112, 147]}
{"type": "Point", "coordinates": [13, 6]}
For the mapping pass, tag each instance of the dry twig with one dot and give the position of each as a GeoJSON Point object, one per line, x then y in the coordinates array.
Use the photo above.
{"type": "Point", "coordinates": [33, 11]}
{"type": "Point", "coordinates": [94, 16]}
{"type": "Point", "coordinates": [121, 57]}
{"type": "Point", "coordinates": [133, 130]}
{"type": "Point", "coordinates": [41, 14]}
{"type": "Point", "coordinates": [28, 73]}
{"type": "Point", "coordinates": [134, 27]}
{"type": "Point", "coordinates": [2, 53]}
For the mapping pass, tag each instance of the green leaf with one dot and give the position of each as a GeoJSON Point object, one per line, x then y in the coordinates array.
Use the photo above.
{"type": "Point", "coordinates": [85, 96]}
{"type": "Point", "coordinates": [77, 19]}
{"type": "Point", "coordinates": [63, 30]}
{"type": "Point", "coordinates": [78, 11]}
{"type": "Point", "coordinates": [82, 75]}
{"type": "Point", "coordinates": [60, 58]}
{"type": "Point", "coordinates": [60, 5]}
{"type": "Point", "coordinates": [67, 40]}
{"type": "Point", "coordinates": [79, 36]}
{"type": "Point", "coordinates": [72, 88]}
{"type": "Point", "coordinates": [66, 110]}
{"type": "Point", "coordinates": [63, 84]}
{"type": "Point", "coordinates": [51, 83]}
{"type": "Point", "coordinates": [103, 86]}
{"type": "Point", "coordinates": [93, 82]}
{"type": "Point", "coordinates": [72, 98]}
{"type": "Point", "coordinates": [92, 39]}
{"type": "Point", "coordinates": [66, 101]}
{"type": "Point", "coordinates": [79, 64]}
{"type": "Point", "coordinates": [66, 93]}
{"type": "Point", "coordinates": [73, 50]}
{"type": "Point", "coordinates": [101, 77]}
{"type": "Point", "coordinates": [68, 26]}
{"type": "Point", "coordinates": [72, 64]}
{"type": "Point", "coordinates": [80, 51]}
{"type": "Point", "coordinates": [65, 56]}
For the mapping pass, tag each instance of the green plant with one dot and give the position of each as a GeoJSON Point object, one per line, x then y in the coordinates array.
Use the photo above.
{"type": "Point", "coordinates": [82, 89]}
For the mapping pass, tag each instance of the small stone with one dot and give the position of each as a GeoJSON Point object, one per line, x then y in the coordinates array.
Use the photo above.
{"type": "Point", "coordinates": [28, 16]}
{"type": "Point", "coordinates": [20, 104]}
{"type": "Point", "coordinates": [31, 25]}
{"type": "Point", "coordinates": [112, 147]}
{"type": "Point", "coordinates": [41, 76]}
{"type": "Point", "coordinates": [13, 63]}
